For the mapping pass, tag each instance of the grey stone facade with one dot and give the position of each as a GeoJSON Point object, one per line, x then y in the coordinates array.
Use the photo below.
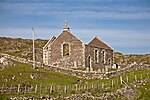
{"type": "Point", "coordinates": [68, 51]}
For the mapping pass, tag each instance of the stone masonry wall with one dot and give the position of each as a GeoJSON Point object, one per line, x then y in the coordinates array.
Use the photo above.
{"type": "Point", "coordinates": [89, 51]}
{"type": "Point", "coordinates": [76, 54]}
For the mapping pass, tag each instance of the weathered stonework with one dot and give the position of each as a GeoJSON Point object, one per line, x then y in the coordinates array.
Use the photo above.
{"type": "Point", "coordinates": [89, 51]}
{"type": "Point", "coordinates": [96, 54]}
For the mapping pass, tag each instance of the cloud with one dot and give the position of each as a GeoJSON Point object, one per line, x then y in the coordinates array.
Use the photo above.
{"type": "Point", "coordinates": [122, 24]}
{"type": "Point", "coordinates": [80, 11]}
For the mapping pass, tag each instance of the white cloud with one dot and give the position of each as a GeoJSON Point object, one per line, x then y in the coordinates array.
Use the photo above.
{"type": "Point", "coordinates": [83, 11]}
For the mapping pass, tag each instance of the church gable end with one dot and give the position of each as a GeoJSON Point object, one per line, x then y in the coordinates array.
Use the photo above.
{"type": "Point", "coordinates": [100, 54]}
{"type": "Point", "coordinates": [67, 51]}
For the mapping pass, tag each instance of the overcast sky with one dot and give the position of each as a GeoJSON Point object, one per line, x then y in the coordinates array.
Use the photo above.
{"type": "Point", "coordinates": [122, 24]}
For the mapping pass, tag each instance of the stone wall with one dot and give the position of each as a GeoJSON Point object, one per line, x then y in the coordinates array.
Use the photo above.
{"type": "Point", "coordinates": [76, 51]}
{"type": "Point", "coordinates": [80, 73]}
{"type": "Point", "coordinates": [22, 60]}
{"type": "Point", "coordinates": [89, 51]}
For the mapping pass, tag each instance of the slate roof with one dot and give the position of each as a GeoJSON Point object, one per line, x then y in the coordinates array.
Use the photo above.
{"type": "Point", "coordinates": [98, 43]}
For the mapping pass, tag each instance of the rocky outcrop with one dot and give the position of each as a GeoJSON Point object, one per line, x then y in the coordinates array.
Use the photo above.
{"type": "Point", "coordinates": [29, 54]}
{"type": "Point", "coordinates": [4, 62]}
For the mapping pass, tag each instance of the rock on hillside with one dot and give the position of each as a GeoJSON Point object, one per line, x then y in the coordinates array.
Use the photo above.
{"type": "Point", "coordinates": [29, 54]}
{"type": "Point", "coordinates": [21, 47]}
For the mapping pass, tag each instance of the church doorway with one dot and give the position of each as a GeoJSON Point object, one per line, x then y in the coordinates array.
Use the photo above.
{"type": "Point", "coordinates": [89, 63]}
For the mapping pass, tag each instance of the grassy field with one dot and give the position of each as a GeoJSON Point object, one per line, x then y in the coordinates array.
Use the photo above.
{"type": "Point", "coordinates": [22, 73]}
{"type": "Point", "coordinates": [144, 91]}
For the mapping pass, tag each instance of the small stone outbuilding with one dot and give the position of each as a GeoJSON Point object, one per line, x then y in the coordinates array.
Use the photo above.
{"type": "Point", "coordinates": [67, 50]}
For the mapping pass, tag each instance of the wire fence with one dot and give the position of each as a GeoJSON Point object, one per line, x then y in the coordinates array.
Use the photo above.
{"type": "Point", "coordinates": [100, 86]}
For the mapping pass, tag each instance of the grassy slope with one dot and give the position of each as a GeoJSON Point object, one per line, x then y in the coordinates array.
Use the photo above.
{"type": "Point", "coordinates": [16, 46]}
{"type": "Point", "coordinates": [144, 91]}
{"type": "Point", "coordinates": [45, 78]}
{"type": "Point", "coordinates": [22, 74]}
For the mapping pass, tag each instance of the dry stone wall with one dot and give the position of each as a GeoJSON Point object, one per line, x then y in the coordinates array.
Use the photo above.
{"type": "Point", "coordinates": [80, 73]}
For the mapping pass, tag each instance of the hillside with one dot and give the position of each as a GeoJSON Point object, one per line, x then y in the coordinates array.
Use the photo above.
{"type": "Point", "coordinates": [19, 75]}
{"type": "Point", "coordinates": [21, 47]}
{"type": "Point", "coordinates": [131, 58]}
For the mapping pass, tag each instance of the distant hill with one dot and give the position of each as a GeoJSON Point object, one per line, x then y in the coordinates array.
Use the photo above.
{"type": "Point", "coordinates": [131, 58]}
{"type": "Point", "coordinates": [21, 47]}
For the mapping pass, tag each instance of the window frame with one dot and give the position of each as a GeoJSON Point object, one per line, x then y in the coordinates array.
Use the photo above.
{"type": "Point", "coordinates": [68, 51]}
{"type": "Point", "coordinates": [103, 56]}
{"type": "Point", "coordinates": [96, 56]}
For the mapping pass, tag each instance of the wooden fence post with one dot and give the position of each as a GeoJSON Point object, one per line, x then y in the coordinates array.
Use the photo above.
{"type": "Point", "coordinates": [127, 79]}
{"type": "Point", "coordinates": [2, 88]}
{"type": "Point", "coordinates": [65, 89]}
{"type": "Point", "coordinates": [92, 85]}
{"type": "Point", "coordinates": [18, 90]}
{"type": "Point", "coordinates": [135, 77]}
{"type": "Point", "coordinates": [10, 88]}
{"type": "Point", "coordinates": [30, 90]}
{"type": "Point", "coordinates": [141, 76]}
{"type": "Point", "coordinates": [121, 79]}
{"type": "Point", "coordinates": [76, 87]}
{"type": "Point", "coordinates": [25, 89]}
{"type": "Point", "coordinates": [102, 85]}
{"type": "Point", "coordinates": [40, 89]}
{"type": "Point", "coordinates": [51, 88]}
{"type": "Point", "coordinates": [45, 89]}
{"type": "Point", "coordinates": [36, 89]}
{"type": "Point", "coordinates": [112, 83]}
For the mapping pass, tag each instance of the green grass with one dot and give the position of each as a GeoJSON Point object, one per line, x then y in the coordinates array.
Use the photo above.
{"type": "Point", "coordinates": [144, 91]}
{"type": "Point", "coordinates": [45, 78]}
{"type": "Point", "coordinates": [22, 74]}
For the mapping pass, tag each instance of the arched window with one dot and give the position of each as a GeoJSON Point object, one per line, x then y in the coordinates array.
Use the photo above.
{"type": "Point", "coordinates": [65, 49]}
{"type": "Point", "coordinates": [96, 55]}
{"type": "Point", "coordinates": [103, 57]}
{"type": "Point", "coordinates": [109, 62]}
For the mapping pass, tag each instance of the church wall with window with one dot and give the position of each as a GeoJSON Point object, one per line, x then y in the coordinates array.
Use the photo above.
{"type": "Point", "coordinates": [98, 58]}
{"type": "Point", "coordinates": [67, 51]}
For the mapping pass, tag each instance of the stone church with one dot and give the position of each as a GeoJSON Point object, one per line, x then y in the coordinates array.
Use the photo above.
{"type": "Point", "coordinates": [67, 50]}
